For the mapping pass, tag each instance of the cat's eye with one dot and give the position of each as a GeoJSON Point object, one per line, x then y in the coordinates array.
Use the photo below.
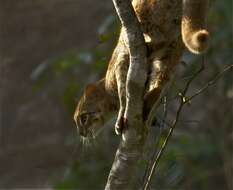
{"type": "Point", "coordinates": [83, 119]}
{"type": "Point", "coordinates": [95, 120]}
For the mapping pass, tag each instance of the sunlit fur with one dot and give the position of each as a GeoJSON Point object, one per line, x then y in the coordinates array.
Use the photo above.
{"type": "Point", "coordinates": [194, 34]}
{"type": "Point", "coordinates": [99, 109]}
{"type": "Point", "coordinates": [167, 27]}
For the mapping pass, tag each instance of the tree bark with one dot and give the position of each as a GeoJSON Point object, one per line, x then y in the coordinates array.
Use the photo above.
{"type": "Point", "coordinates": [167, 22]}
{"type": "Point", "coordinates": [130, 148]}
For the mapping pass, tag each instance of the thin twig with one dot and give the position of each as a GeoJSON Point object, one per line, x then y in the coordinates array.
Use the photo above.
{"type": "Point", "coordinates": [211, 82]}
{"type": "Point", "coordinates": [161, 128]}
{"type": "Point", "coordinates": [156, 157]}
{"type": "Point", "coordinates": [194, 76]}
{"type": "Point", "coordinates": [183, 101]}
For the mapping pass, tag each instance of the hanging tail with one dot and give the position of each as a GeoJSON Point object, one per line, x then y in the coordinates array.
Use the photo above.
{"type": "Point", "coordinates": [194, 33]}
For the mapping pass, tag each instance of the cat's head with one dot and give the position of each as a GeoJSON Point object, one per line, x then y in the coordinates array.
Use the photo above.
{"type": "Point", "coordinates": [94, 109]}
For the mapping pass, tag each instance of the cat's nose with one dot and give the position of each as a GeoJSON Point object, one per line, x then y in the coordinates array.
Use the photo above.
{"type": "Point", "coordinates": [81, 130]}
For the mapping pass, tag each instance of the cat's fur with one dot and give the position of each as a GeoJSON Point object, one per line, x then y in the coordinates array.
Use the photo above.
{"type": "Point", "coordinates": [168, 26]}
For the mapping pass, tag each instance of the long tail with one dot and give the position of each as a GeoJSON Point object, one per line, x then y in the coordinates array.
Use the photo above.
{"type": "Point", "coordinates": [194, 34]}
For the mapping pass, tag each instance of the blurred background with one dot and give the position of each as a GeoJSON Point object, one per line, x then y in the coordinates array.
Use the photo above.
{"type": "Point", "coordinates": [49, 51]}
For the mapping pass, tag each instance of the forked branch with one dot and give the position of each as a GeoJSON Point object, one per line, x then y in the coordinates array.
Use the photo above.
{"type": "Point", "coordinates": [183, 100]}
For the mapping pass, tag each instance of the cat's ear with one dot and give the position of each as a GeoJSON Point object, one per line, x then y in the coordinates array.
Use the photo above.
{"type": "Point", "coordinates": [90, 89]}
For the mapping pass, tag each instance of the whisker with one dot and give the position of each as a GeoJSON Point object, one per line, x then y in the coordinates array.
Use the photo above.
{"type": "Point", "coordinates": [83, 141]}
{"type": "Point", "coordinates": [93, 133]}
{"type": "Point", "coordinates": [86, 142]}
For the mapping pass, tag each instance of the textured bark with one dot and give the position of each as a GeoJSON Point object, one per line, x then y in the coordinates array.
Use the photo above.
{"type": "Point", "coordinates": [130, 148]}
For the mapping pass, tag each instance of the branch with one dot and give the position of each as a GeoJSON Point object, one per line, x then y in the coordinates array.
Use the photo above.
{"type": "Point", "coordinates": [137, 72]}
{"type": "Point", "coordinates": [183, 100]}
{"type": "Point", "coordinates": [174, 123]}
{"type": "Point", "coordinates": [130, 149]}
{"type": "Point", "coordinates": [211, 82]}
